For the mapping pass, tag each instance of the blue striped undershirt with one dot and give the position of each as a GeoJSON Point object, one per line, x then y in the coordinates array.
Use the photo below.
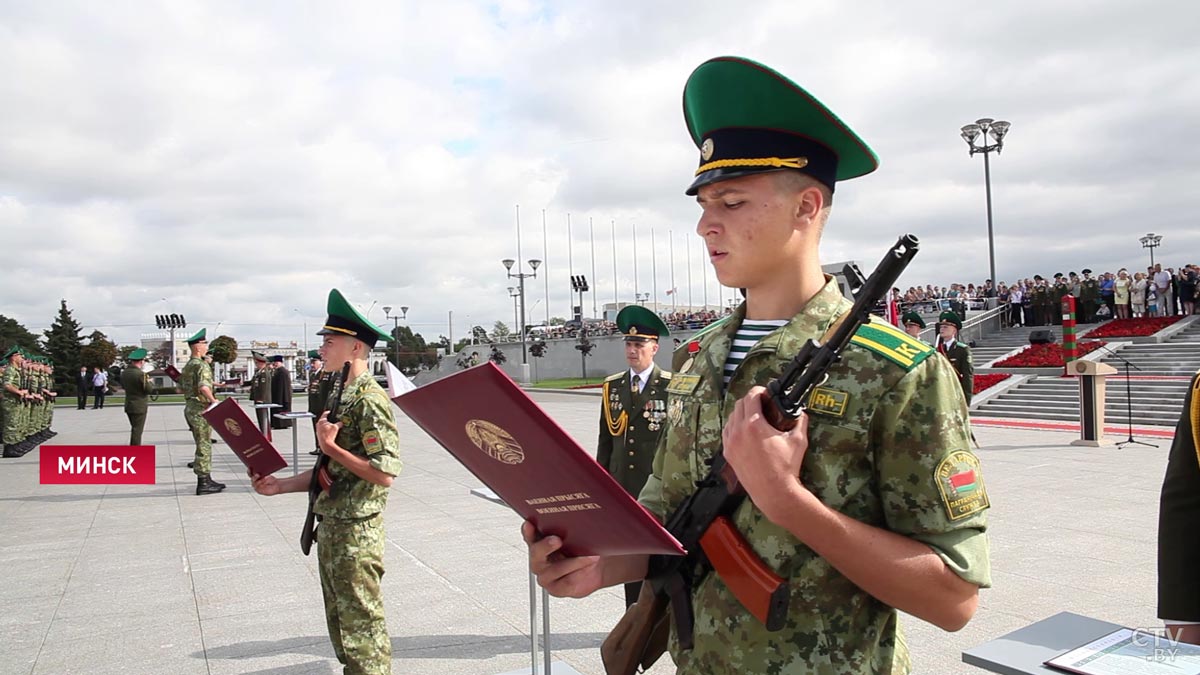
{"type": "Point", "coordinates": [748, 335]}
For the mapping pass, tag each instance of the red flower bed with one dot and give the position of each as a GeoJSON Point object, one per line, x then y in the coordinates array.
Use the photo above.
{"type": "Point", "coordinates": [1133, 327]}
{"type": "Point", "coordinates": [988, 380]}
{"type": "Point", "coordinates": [1045, 356]}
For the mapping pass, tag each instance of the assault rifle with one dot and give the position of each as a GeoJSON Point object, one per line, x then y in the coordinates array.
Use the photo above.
{"type": "Point", "coordinates": [702, 522]}
{"type": "Point", "coordinates": [320, 480]}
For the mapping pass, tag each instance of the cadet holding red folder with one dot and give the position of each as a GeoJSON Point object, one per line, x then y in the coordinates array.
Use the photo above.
{"type": "Point", "coordinates": [859, 510]}
{"type": "Point", "coordinates": [362, 447]}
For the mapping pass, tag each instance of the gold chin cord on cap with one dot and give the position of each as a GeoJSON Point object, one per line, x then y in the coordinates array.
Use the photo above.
{"type": "Point", "coordinates": [347, 331]}
{"type": "Point", "coordinates": [775, 162]}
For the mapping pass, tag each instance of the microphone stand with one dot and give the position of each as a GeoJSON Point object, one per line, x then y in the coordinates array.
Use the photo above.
{"type": "Point", "coordinates": [1128, 401]}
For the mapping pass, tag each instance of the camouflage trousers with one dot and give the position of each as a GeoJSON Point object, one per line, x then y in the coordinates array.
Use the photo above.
{"type": "Point", "coordinates": [13, 433]}
{"type": "Point", "coordinates": [350, 557]}
{"type": "Point", "coordinates": [202, 434]}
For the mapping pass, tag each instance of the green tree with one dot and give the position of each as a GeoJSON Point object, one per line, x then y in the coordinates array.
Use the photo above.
{"type": "Point", "coordinates": [99, 352]}
{"type": "Point", "coordinates": [412, 351]}
{"type": "Point", "coordinates": [123, 354]}
{"type": "Point", "coordinates": [557, 321]}
{"type": "Point", "coordinates": [161, 357]}
{"type": "Point", "coordinates": [223, 349]}
{"type": "Point", "coordinates": [63, 346]}
{"type": "Point", "coordinates": [500, 330]}
{"type": "Point", "coordinates": [13, 333]}
{"type": "Point", "coordinates": [480, 335]}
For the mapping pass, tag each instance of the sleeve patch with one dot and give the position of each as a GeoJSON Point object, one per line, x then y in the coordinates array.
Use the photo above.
{"type": "Point", "coordinates": [960, 483]}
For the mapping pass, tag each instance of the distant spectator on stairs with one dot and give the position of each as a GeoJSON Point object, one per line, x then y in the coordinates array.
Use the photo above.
{"type": "Point", "coordinates": [1121, 293]}
{"type": "Point", "coordinates": [1137, 295]}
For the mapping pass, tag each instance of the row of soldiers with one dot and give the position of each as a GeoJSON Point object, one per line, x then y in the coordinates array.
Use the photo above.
{"type": "Point", "coordinates": [27, 406]}
{"type": "Point", "coordinates": [1042, 303]}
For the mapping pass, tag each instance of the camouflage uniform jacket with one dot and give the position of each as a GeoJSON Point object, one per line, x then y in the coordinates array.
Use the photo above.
{"type": "Point", "coordinates": [888, 446]}
{"type": "Point", "coordinates": [196, 374]}
{"type": "Point", "coordinates": [368, 430]}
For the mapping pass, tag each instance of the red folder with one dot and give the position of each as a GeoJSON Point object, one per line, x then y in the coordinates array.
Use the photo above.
{"type": "Point", "coordinates": [495, 430]}
{"type": "Point", "coordinates": [172, 372]}
{"type": "Point", "coordinates": [242, 436]}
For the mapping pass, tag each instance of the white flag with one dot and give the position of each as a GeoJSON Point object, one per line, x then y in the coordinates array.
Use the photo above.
{"type": "Point", "coordinates": [397, 383]}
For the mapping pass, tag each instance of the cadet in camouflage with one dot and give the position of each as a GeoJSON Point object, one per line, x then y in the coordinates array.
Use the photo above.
{"type": "Point", "coordinates": [197, 382]}
{"type": "Point", "coordinates": [363, 446]}
{"type": "Point", "coordinates": [874, 503]}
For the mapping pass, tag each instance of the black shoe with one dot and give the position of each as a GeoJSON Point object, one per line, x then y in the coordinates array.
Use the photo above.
{"type": "Point", "coordinates": [314, 452]}
{"type": "Point", "coordinates": [207, 486]}
{"type": "Point", "coordinates": [191, 465]}
{"type": "Point", "coordinates": [10, 450]}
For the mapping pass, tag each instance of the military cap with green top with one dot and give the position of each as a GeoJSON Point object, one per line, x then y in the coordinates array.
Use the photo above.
{"type": "Point", "coordinates": [912, 317]}
{"type": "Point", "coordinates": [639, 324]}
{"type": "Point", "coordinates": [138, 354]}
{"type": "Point", "coordinates": [200, 336]}
{"type": "Point", "coordinates": [950, 318]}
{"type": "Point", "coordinates": [747, 118]}
{"type": "Point", "coordinates": [12, 350]}
{"type": "Point", "coordinates": [344, 319]}
{"type": "Point", "coordinates": [314, 354]}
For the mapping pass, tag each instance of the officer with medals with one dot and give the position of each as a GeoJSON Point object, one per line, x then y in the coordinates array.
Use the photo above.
{"type": "Point", "coordinates": [136, 384]}
{"type": "Point", "coordinates": [874, 504]}
{"type": "Point", "coordinates": [633, 408]}
{"type": "Point", "coordinates": [957, 352]}
{"type": "Point", "coordinates": [197, 383]}
{"type": "Point", "coordinates": [319, 383]}
{"type": "Point", "coordinates": [363, 446]}
{"type": "Point", "coordinates": [260, 390]}
{"type": "Point", "coordinates": [913, 324]}
{"type": "Point", "coordinates": [1178, 525]}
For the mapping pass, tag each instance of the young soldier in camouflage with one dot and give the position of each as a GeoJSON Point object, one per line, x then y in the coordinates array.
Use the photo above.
{"type": "Point", "coordinates": [874, 503]}
{"type": "Point", "coordinates": [197, 382]}
{"type": "Point", "coordinates": [363, 447]}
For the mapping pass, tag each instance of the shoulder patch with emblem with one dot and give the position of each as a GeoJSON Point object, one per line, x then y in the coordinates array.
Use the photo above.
{"type": "Point", "coordinates": [893, 344]}
{"type": "Point", "coordinates": [683, 384]}
{"type": "Point", "coordinates": [371, 441]}
{"type": "Point", "coordinates": [664, 374]}
{"type": "Point", "coordinates": [828, 401]}
{"type": "Point", "coordinates": [961, 485]}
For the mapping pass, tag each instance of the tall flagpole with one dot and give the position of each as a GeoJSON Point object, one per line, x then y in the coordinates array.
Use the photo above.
{"type": "Point", "coordinates": [571, 268]}
{"type": "Point", "coordinates": [545, 267]}
{"type": "Point", "coordinates": [688, 251]}
{"type": "Point", "coordinates": [636, 296]}
{"type": "Point", "coordinates": [654, 268]}
{"type": "Point", "coordinates": [520, 327]}
{"type": "Point", "coordinates": [613, 224]}
{"type": "Point", "coordinates": [592, 234]}
{"type": "Point", "coordinates": [674, 289]}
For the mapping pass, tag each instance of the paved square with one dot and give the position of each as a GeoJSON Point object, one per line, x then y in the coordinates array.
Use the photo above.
{"type": "Point", "coordinates": [152, 579]}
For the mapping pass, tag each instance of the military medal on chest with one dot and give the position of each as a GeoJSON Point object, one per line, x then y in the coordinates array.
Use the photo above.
{"type": "Point", "coordinates": [655, 411]}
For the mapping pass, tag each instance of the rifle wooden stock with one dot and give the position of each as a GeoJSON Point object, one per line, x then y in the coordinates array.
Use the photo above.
{"type": "Point", "coordinates": [762, 592]}
{"type": "Point", "coordinates": [640, 637]}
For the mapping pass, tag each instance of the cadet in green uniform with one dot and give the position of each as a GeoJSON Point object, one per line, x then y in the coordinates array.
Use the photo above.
{"type": "Point", "coordinates": [364, 451]}
{"type": "Point", "coordinates": [875, 503]}
{"type": "Point", "coordinates": [633, 408]}
{"type": "Point", "coordinates": [137, 390]}
{"type": "Point", "coordinates": [1178, 525]}
{"type": "Point", "coordinates": [957, 352]}
{"type": "Point", "coordinates": [913, 324]}
{"type": "Point", "coordinates": [197, 383]}
{"type": "Point", "coordinates": [13, 401]}
{"type": "Point", "coordinates": [319, 383]}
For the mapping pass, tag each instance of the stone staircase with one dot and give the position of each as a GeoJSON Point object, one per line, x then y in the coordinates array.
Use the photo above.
{"type": "Point", "coordinates": [1155, 402]}
{"type": "Point", "coordinates": [995, 345]}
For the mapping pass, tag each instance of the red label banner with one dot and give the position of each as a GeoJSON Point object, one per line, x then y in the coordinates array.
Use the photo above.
{"type": "Point", "coordinates": [97, 465]}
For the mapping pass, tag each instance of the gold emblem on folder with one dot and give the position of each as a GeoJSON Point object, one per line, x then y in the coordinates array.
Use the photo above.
{"type": "Point", "coordinates": [233, 427]}
{"type": "Point", "coordinates": [496, 442]}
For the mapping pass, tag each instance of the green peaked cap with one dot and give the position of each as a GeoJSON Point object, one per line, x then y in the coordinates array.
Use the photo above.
{"type": "Point", "coordinates": [137, 354]}
{"type": "Point", "coordinates": [747, 118]}
{"type": "Point", "coordinates": [912, 317]}
{"type": "Point", "coordinates": [200, 336]}
{"type": "Point", "coordinates": [314, 354]}
{"type": "Point", "coordinates": [638, 323]}
{"type": "Point", "coordinates": [12, 350]}
{"type": "Point", "coordinates": [951, 318]}
{"type": "Point", "coordinates": [344, 319]}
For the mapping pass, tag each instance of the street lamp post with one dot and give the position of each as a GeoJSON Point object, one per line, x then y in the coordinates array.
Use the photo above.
{"type": "Point", "coordinates": [980, 130]}
{"type": "Point", "coordinates": [515, 295]}
{"type": "Point", "coordinates": [521, 277]}
{"type": "Point", "coordinates": [387, 311]}
{"type": "Point", "coordinates": [1151, 241]}
{"type": "Point", "coordinates": [642, 298]}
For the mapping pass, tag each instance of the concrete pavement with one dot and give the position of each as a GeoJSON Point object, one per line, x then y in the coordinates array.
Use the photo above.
{"type": "Point", "coordinates": [152, 579]}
